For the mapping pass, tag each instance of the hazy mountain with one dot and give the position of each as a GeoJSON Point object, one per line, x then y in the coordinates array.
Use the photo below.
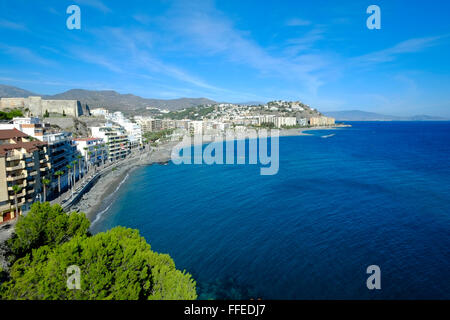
{"type": "Point", "coordinates": [126, 102]}
{"type": "Point", "coordinates": [358, 115]}
{"type": "Point", "coordinates": [14, 92]}
{"type": "Point", "coordinates": [110, 99]}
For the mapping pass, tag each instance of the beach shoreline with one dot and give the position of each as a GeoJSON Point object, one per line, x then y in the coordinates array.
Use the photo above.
{"type": "Point", "coordinates": [99, 197]}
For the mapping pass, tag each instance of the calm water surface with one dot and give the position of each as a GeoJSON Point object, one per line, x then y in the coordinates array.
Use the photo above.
{"type": "Point", "coordinates": [376, 193]}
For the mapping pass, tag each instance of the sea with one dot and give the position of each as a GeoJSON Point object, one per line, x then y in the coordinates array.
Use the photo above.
{"type": "Point", "coordinates": [376, 193]}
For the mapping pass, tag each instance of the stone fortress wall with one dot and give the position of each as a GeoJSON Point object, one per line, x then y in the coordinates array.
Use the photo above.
{"type": "Point", "coordinates": [39, 106]}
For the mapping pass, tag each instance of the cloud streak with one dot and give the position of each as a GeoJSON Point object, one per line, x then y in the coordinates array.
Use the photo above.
{"type": "Point", "coordinates": [24, 54]}
{"type": "Point", "coordinates": [297, 22]}
{"type": "Point", "coordinates": [12, 25]}
{"type": "Point", "coordinates": [97, 4]}
{"type": "Point", "coordinates": [392, 53]}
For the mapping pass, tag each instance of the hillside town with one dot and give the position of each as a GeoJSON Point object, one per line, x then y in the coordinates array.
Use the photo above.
{"type": "Point", "coordinates": [50, 147]}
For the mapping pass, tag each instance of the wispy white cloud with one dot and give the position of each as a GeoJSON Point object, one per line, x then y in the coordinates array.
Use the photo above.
{"type": "Point", "coordinates": [12, 25]}
{"type": "Point", "coordinates": [390, 54]}
{"type": "Point", "coordinates": [99, 60]}
{"type": "Point", "coordinates": [297, 22]}
{"type": "Point", "coordinates": [134, 53]}
{"type": "Point", "coordinates": [26, 54]}
{"type": "Point", "coordinates": [298, 45]}
{"type": "Point", "coordinates": [97, 4]}
{"type": "Point", "coordinates": [142, 18]}
{"type": "Point", "coordinates": [206, 30]}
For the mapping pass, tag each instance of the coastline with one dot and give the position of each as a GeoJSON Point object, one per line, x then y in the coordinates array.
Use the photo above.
{"type": "Point", "coordinates": [98, 199]}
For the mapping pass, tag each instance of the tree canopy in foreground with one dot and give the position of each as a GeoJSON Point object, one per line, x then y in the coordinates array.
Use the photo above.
{"type": "Point", "coordinates": [117, 264]}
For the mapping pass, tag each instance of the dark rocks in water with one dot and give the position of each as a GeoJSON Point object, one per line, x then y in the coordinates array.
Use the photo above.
{"type": "Point", "coordinates": [226, 288]}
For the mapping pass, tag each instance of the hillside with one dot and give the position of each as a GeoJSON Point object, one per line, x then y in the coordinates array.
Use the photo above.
{"type": "Point", "coordinates": [110, 99]}
{"type": "Point", "coordinates": [14, 92]}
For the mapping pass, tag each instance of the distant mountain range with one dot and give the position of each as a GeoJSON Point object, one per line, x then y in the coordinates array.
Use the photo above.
{"type": "Point", "coordinates": [110, 99]}
{"type": "Point", "coordinates": [129, 103]}
{"type": "Point", "coordinates": [358, 115]}
{"type": "Point", "coordinates": [13, 92]}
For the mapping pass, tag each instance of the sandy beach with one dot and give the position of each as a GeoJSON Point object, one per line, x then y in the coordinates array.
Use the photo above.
{"type": "Point", "coordinates": [110, 180]}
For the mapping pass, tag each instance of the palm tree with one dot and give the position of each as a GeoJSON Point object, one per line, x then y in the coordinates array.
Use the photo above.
{"type": "Point", "coordinates": [79, 157]}
{"type": "Point", "coordinates": [86, 161]}
{"type": "Point", "coordinates": [59, 173]}
{"type": "Point", "coordinates": [16, 188]}
{"type": "Point", "coordinates": [89, 162]}
{"type": "Point", "coordinates": [69, 167]}
{"type": "Point", "coordinates": [104, 154]}
{"type": "Point", "coordinates": [45, 182]}
{"type": "Point", "coordinates": [96, 155]}
{"type": "Point", "coordinates": [74, 165]}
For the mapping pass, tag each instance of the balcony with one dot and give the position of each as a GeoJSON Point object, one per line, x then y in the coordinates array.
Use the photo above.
{"type": "Point", "coordinates": [23, 185]}
{"type": "Point", "coordinates": [13, 157]}
{"type": "Point", "coordinates": [20, 166]}
{"type": "Point", "coordinates": [16, 177]}
{"type": "Point", "coordinates": [5, 207]}
{"type": "Point", "coordinates": [19, 195]}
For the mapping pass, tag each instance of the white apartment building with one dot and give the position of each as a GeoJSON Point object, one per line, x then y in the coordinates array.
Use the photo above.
{"type": "Point", "coordinates": [133, 130]}
{"type": "Point", "coordinates": [285, 122]}
{"type": "Point", "coordinates": [61, 151]}
{"type": "Point", "coordinates": [93, 150]}
{"type": "Point", "coordinates": [278, 121]}
{"type": "Point", "coordinates": [195, 127]}
{"type": "Point", "coordinates": [116, 139]}
{"type": "Point", "coordinates": [98, 112]}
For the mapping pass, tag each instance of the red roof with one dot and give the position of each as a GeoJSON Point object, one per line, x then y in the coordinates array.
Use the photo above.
{"type": "Point", "coordinates": [17, 135]}
{"type": "Point", "coordinates": [11, 133]}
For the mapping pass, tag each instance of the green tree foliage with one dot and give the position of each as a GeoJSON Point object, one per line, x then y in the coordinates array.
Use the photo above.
{"type": "Point", "coordinates": [117, 264]}
{"type": "Point", "coordinates": [10, 114]}
{"type": "Point", "coordinates": [45, 225]}
{"type": "Point", "coordinates": [153, 136]}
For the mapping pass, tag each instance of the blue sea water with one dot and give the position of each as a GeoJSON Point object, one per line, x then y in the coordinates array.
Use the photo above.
{"type": "Point", "coordinates": [377, 193]}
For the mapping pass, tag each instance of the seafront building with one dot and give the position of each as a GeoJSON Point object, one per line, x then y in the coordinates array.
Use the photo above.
{"type": "Point", "coordinates": [61, 148]}
{"type": "Point", "coordinates": [278, 122]}
{"type": "Point", "coordinates": [62, 151]}
{"type": "Point", "coordinates": [31, 126]}
{"type": "Point", "coordinates": [149, 124]}
{"type": "Point", "coordinates": [116, 139]}
{"type": "Point", "coordinates": [23, 163]}
{"type": "Point", "coordinates": [195, 127]}
{"type": "Point", "coordinates": [321, 121]}
{"type": "Point", "coordinates": [133, 130]}
{"type": "Point", "coordinates": [93, 150]}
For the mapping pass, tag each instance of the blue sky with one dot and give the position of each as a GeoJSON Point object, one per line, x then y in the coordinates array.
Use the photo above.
{"type": "Point", "coordinates": [319, 52]}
